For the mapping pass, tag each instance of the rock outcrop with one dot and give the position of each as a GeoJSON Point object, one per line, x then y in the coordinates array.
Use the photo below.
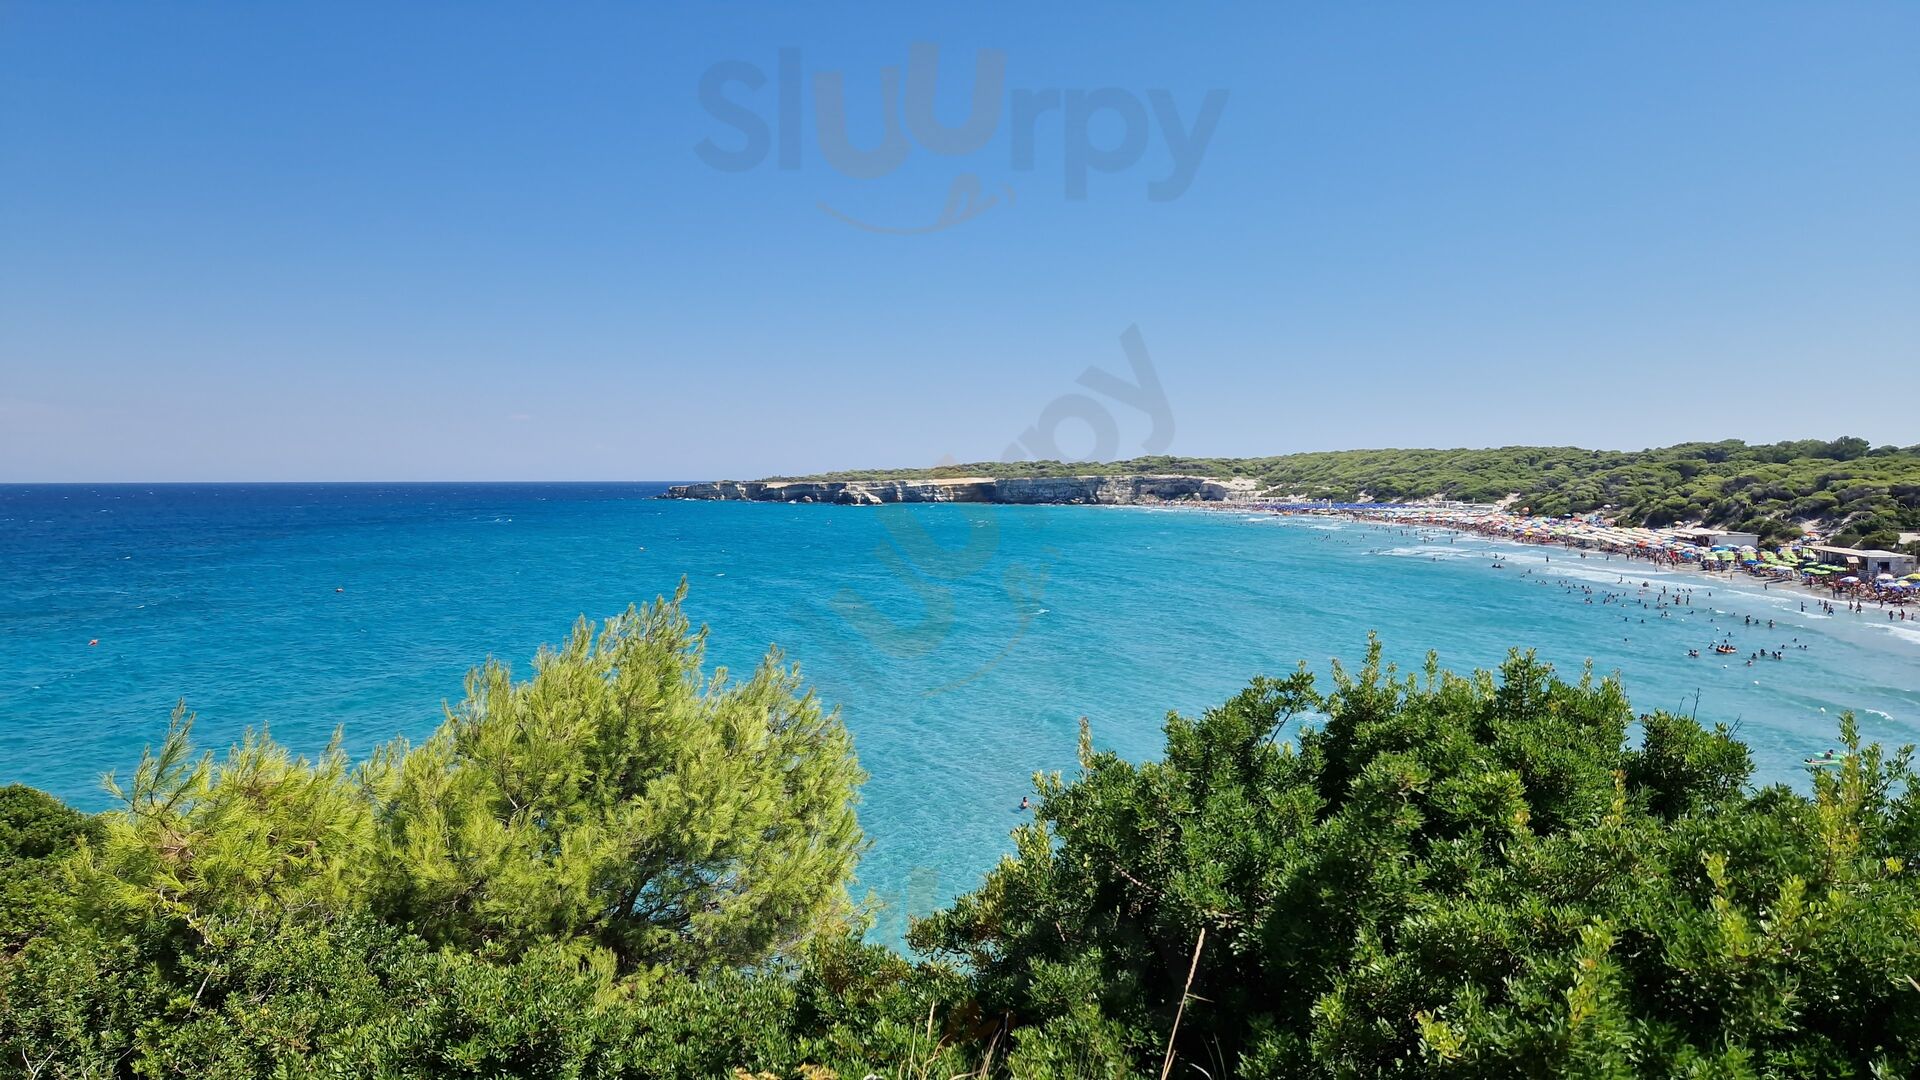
{"type": "Point", "coordinates": [1123, 490]}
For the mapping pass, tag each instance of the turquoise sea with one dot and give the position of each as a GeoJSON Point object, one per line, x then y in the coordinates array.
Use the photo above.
{"type": "Point", "coordinates": [963, 643]}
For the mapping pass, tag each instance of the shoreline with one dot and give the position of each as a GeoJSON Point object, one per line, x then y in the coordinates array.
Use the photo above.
{"type": "Point", "coordinates": [1665, 554]}
{"type": "Point", "coordinates": [1831, 585]}
{"type": "Point", "coordinates": [1591, 568]}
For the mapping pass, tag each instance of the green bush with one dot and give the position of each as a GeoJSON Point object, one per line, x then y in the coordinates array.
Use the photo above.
{"type": "Point", "coordinates": [1477, 875]}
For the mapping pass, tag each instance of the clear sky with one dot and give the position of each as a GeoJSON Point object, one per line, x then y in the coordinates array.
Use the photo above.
{"type": "Point", "coordinates": [480, 241]}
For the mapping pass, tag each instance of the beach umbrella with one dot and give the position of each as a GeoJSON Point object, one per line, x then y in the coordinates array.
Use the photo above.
{"type": "Point", "coordinates": [1849, 580]}
{"type": "Point", "coordinates": [1886, 577]}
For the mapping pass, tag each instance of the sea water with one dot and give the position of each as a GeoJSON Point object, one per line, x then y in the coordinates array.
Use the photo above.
{"type": "Point", "coordinates": [963, 644]}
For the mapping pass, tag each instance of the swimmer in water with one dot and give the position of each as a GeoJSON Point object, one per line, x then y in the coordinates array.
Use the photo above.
{"type": "Point", "coordinates": [1024, 804]}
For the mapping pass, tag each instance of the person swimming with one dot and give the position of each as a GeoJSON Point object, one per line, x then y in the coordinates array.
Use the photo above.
{"type": "Point", "coordinates": [1024, 804]}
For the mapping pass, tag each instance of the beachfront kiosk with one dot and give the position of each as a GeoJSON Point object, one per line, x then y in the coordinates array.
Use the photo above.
{"type": "Point", "coordinates": [1712, 538]}
{"type": "Point", "coordinates": [1868, 564]}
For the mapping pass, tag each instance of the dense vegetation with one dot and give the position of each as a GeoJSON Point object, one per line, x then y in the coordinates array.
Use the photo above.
{"type": "Point", "coordinates": [624, 868]}
{"type": "Point", "coordinates": [1868, 495]}
{"type": "Point", "coordinates": [1458, 876]}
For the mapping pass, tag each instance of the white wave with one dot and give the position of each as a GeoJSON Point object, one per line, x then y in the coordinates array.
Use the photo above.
{"type": "Point", "coordinates": [1435, 551]}
{"type": "Point", "coordinates": [1911, 633]}
{"type": "Point", "coordinates": [1604, 575]}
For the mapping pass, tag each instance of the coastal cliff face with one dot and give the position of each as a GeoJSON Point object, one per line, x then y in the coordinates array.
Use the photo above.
{"type": "Point", "coordinates": [1112, 490]}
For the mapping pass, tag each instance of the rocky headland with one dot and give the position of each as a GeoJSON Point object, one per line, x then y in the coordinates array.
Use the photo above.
{"type": "Point", "coordinates": [1113, 490]}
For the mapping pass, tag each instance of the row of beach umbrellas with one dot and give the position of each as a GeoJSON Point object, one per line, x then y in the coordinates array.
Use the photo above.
{"type": "Point", "coordinates": [1789, 560]}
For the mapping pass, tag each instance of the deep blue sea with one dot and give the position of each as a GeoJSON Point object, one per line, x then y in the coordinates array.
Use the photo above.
{"type": "Point", "coordinates": [963, 643]}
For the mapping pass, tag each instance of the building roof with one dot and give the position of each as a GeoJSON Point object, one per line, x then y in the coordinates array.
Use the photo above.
{"type": "Point", "coordinates": [1875, 553]}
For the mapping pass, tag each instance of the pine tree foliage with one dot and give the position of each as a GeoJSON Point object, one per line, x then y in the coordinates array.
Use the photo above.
{"type": "Point", "coordinates": [620, 796]}
{"type": "Point", "coordinates": [197, 841]}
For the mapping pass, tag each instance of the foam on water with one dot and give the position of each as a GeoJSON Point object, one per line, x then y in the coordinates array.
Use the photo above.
{"type": "Point", "coordinates": [1908, 632]}
{"type": "Point", "coordinates": [1433, 551]}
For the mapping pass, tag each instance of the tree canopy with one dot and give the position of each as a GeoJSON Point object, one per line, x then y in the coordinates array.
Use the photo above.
{"type": "Point", "coordinates": [614, 797]}
{"type": "Point", "coordinates": [619, 800]}
{"type": "Point", "coordinates": [1475, 876]}
{"type": "Point", "coordinates": [1868, 494]}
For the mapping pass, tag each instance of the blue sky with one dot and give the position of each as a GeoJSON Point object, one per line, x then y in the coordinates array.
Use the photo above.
{"type": "Point", "coordinates": [476, 241]}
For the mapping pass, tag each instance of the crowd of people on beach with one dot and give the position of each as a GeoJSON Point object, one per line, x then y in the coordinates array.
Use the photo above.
{"type": "Point", "coordinates": [1666, 548]}
{"type": "Point", "coordinates": [1644, 599]}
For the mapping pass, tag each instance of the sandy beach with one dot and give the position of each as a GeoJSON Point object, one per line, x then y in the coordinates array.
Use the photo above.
{"type": "Point", "coordinates": [1789, 566]}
